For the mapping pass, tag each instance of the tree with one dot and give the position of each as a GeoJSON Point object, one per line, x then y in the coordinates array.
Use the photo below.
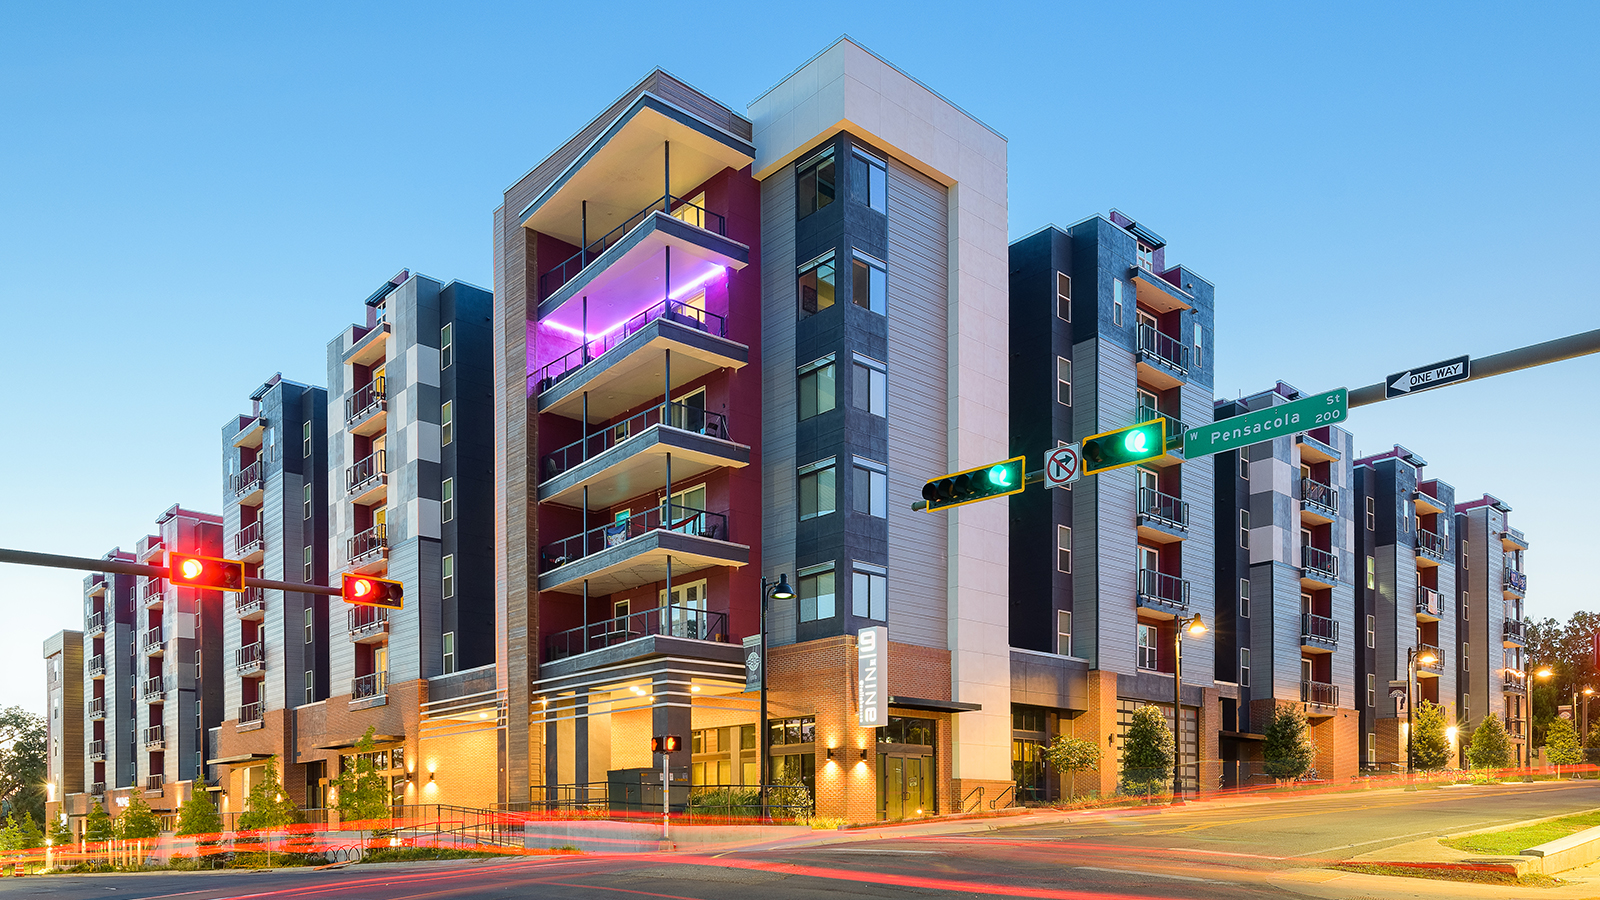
{"type": "Point", "coordinates": [1561, 743]}
{"type": "Point", "coordinates": [29, 834]}
{"type": "Point", "coordinates": [138, 821]}
{"type": "Point", "coordinates": [363, 793]}
{"type": "Point", "coordinates": [1489, 748]}
{"type": "Point", "coordinates": [1287, 752]}
{"type": "Point", "coordinates": [1430, 746]}
{"type": "Point", "coordinates": [1147, 752]}
{"type": "Point", "coordinates": [1593, 740]}
{"type": "Point", "coordinates": [267, 808]}
{"type": "Point", "coordinates": [198, 817]}
{"type": "Point", "coordinates": [59, 833]}
{"type": "Point", "coordinates": [1071, 755]}
{"type": "Point", "coordinates": [98, 827]}
{"type": "Point", "coordinates": [22, 762]}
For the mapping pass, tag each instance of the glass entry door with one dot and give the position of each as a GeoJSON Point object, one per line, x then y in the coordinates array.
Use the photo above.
{"type": "Point", "coordinates": [904, 786]}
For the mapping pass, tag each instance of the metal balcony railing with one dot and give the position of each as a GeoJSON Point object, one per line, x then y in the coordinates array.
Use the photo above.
{"type": "Point", "coordinates": [155, 737]}
{"type": "Point", "coordinates": [1320, 495]}
{"type": "Point", "coordinates": [1438, 658]}
{"type": "Point", "coordinates": [366, 401]}
{"type": "Point", "coordinates": [152, 640]}
{"type": "Point", "coordinates": [368, 471]}
{"type": "Point", "coordinates": [1513, 683]}
{"type": "Point", "coordinates": [1319, 629]}
{"type": "Point", "coordinates": [674, 415]}
{"type": "Point", "coordinates": [1516, 581]}
{"type": "Point", "coordinates": [1175, 426]}
{"type": "Point", "coordinates": [1428, 602]}
{"type": "Point", "coordinates": [97, 750]}
{"type": "Point", "coordinates": [1319, 561]}
{"type": "Point", "coordinates": [249, 658]}
{"type": "Point", "coordinates": [96, 623]}
{"type": "Point", "coordinates": [248, 479]}
{"type": "Point", "coordinates": [250, 601]}
{"type": "Point", "coordinates": [365, 620]}
{"type": "Point", "coordinates": [673, 517]}
{"type": "Point", "coordinates": [248, 539]}
{"type": "Point", "coordinates": [368, 545]}
{"type": "Point", "coordinates": [552, 373]}
{"type": "Point", "coordinates": [1164, 508]}
{"type": "Point", "coordinates": [671, 621]}
{"type": "Point", "coordinates": [1512, 630]}
{"type": "Point", "coordinates": [154, 783]}
{"type": "Point", "coordinates": [1319, 693]}
{"type": "Point", "coordinates": [97, 707]}
{"type": "Point", "coordinates": [250, 712]}
{"type": "Point", "coordinates": [1516, 535]}
{"type": "Point", "coordinates": [154, 591]}
{"type": "Point", "coordinates": [97, 665]}
{"type": "Point", "coordinates": [1164, 348]}
{"type": "Point", "coordinates": [1516, 727]}
{"type": "Point", "coordinates": [153, 689]}
{"type": "Point", "coordinates": [367, 686]}
{"type": "Point", "coordinates": [568, 269]}
{"type": "Point", "coordinates": [1162, 590]}
{"type": "Point", "coordinates": [98, 788]}
{"type": "Point", "coordinates": [1432, 544]}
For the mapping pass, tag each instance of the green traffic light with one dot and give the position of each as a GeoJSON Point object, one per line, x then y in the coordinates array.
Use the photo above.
{"type": "Point", "coordinates": [1000, 476]}
{"type": "Point", "coordinates": [1137, 441]}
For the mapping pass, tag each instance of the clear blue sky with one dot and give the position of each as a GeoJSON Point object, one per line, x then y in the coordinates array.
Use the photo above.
{"type": "Point", "coordinates": [197, 197]}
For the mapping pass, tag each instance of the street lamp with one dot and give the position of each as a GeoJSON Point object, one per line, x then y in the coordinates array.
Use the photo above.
{"type": "Point", "coordinates": [1414, 657]}
{"type": "Point", "coordinates": [779, 591]}
{"type": "Point", "coordinates": [1196, 627]}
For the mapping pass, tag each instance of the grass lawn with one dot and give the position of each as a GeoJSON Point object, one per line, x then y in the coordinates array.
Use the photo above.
{"type": "Point", "coordinates": [1516, 840]}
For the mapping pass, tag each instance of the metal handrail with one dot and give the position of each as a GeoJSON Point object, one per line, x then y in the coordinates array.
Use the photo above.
{"type": "Point", "coordinates": [1513, 629]}
{"type": "Point", "coordinates": [155, 736]}
{"type": "Point", "coordinates": [250, 656]}
{"type": "Point", "coordinates": [1509, 682]}
{"type": "Point", "coordinates": [368, 542]}
{"type": "Point", "coordinates": [679, 518]}
{"type": "Point", "coordinates": [1320, 628]}
{"type": "Point", "coordinates": [979, 790]}
{"type": "Point", "coordinates": [152, 687]}
{"type": "Point", "coordinates": [154, 590]}
{"type": "Point", "coordinates": [1170, 590]}
{"type": "Point", "coordinates": [250, 712]}
{"type": "Point", "coordinates": [97, 664]}
{"type": "Point", "coordinates": [1516, 581]}
{"type": "Point", "coordinates": [248, 479]}
{"type": "Point", "coordinates": [155, 782]}
{"type": "Point", "coordinates": [1428, 601]}
{"type": "Point", "coordinates": [365, 686]}
{"type": "Point", "coordinates": [368, 399]}
{"type": "Point", "coordinates": [1516, 535]}
{"type": "Point", "coordinates": [1438, 657]}
{"type": "Point", "coordinates": [366, 470]}
{"type": "Point", "coordinates": [673, 415]}
{"type": "Point", "coordinates": [98, 788]}
{"type": "Point", "coordinates": [1175, 426]}
{"type": "Point", "coordinates": [366, 620]}
{"type": "Point", "coordinates": [1319, 494]}
{"type": "Point", "coordinates": [97, 750]}
{"type": "Point", "coordinates": [248, 538]}
{"type": "Point", "coordinates": [1008, 790]}
{"type": "Point", "coordinates": [97, 707]}
{"type": "Point", "coordinates": [568, 269]}
{"type": "Point", "coordinates": [250, 600]}
{"type": "Point", "coordinates": [670, 621]}
{"type": "Point", "coordinates": [151, 640]}
{"type": "Point", "coordinates": [1164, 347]}
{"type": "Point", "coordinates": [672, 310]}
{"type": "Point", "coordinates": [1318, 560]}
{"type": "Point", "coordinates": [1319, 693]}
{"type": "Point", "coordinates": [96, 623]}
{"type": "Point", "coordinates": [1165, 507]}
{"type": "Point", "coordinates": [1432, 543]}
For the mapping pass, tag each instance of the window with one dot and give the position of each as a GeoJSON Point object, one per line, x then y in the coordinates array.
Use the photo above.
{"type": "Point", "coordinates": [1147, 646]}
{"type": "Point", "coordinates": [784, 732]}
{"type": "Point", "coordinates": [1372, 689]}
{"type": "Point", "coordinates": [816, 489]}
{"type": "Point", "coordinates": [869, 283]}
{"type": "Point", "coordinates": [1244, 597]}
{"type": "Point", "coordinates": [310, 560]}
{"type": "Point", "coordinates": [1244, 465]}
{"type": "Point", "coordinates": [1063, 381]}
{"type": "Point", "coordinates": [447, 569]}
{"type": "Point", "coordinates": [1244, 528]}
{"type": "Point", "coordinates": [816, 595]}
{"type": "Point", "coordinates": [446, 423]}
{"type": "Point", "coordinates": [814, 180]}
{"type": "Point", "coordinates": [1372, 748]}
{"type": "Point", "coordinates": [1372, 572]}
{"type": "Point", "coordinates": [1199, 343]}
{"type": "Point", "coordinates": [870, 386]}
{"type": "Point", "coordinates": [816, 387]}
{"type": "Point", "coordinates": [305, 493]}
{"type": "Point", "coordinates": [619, 609]}
{"type": "Point", "coordinates": [1116, 302]}
{"type": "Point", "coordinates": [1372, 514]}
{"type": "Point", "coordinates": [871, 488]}
{"type": "Point", "coordinates": [869, 179]}
{"type": "Point", "coordinates": [869, 593]}
{"type": "Point", "coordinates": [1372, 631]}
{"type": "Point", "coordinates": [1064, 549]}
{"type": "Point", "coordinates": [447, 499]}
{"type": "Point", "coordinates": [1063, 632]}
{"type": "Point", "coordinates": [1063, 297]}
{"type": "Point", "coordinates": [1244, 666]}
{"type": "Point", "coordinates": [1466, 658]}
{"type": "Point", "coordinates": [816, 284]}
{"type": "Point", "coordinates": [310, 621]}
{"type": "Point", "coordinates": [311, 686]}
{"type": "Point", "coordinates": [447, 345]}
{"type": "Point", "coordinates": [1466, 707]}
{"type": "Point", "coordinates": [448, 639]}
{"type": "Point", "coordinates": [305, 439]}
{"type": "Point", "coordinates": [1146, 255]}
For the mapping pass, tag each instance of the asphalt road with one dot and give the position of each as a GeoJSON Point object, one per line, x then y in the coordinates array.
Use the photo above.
{"type": "Point", "coordinates": [1252, 850]}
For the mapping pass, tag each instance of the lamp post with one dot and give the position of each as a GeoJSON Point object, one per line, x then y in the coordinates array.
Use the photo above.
{"type": "Point", "coordinates": [1414, 655]}
{"type": "Point", "coordinates": [1196, 627]}
{"type": "Point", "coordinates": [779, 591]}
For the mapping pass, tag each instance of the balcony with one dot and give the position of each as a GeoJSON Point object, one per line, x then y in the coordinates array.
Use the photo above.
{"type": "Point", "coordinates": [1516, 728]}
{"type": "Point", "coordinates": [367, 687]}
{"type": "Point", "coordinates": [1512, 682]}
{"type": "Point", "coordinates": [367, 623]}
{"type": "Point", "coordinates": [1513, 539]}
{"type": "Point", "coordinates": [1175, 431]}
{"type": "Point", "coordinates": [250, 659]}
{"type": "Point", "coordinates": [368, 549]}
{"type": "Point", "coordinates": [1162, 360]}
{"type": "Point", "coordinates": [366, 412]}
{"type": "Point", "coordinates": [1434, 668]}
{"type": "Point", "coordinates": [96, 624]}
{"type": "Point", "coordinates": [1154, 292]}
{"type": "Point", "coordinates": [1513, 634]}
{"type": "Point", "coordinates": [153, 593]}
{"type": "Point", "coordinates": [677, 208]}
{"type": "Point", "coordinates": [155, 737]}
{"type": "Point", "coordinates": [249, 545]}
{"type": "Point", "coordinates": [1162, 517]}
{"type": "Point", "coordinates": [613, 462]}
{"type": "Point", "coordinates": [369, 345]}
{"type": "Point", "coordinates": [1314, 449]}
{"type": "Point", "coordinates": [367, 481]}
{"type": "Point", "coordinates": [97, 708]}
{"type": "Point", "coordinates": [1162, 593]}
{"type": "Point", "coordinates": [153, 784]}
{"type": "Point", "coordinates": [250, 603]}
{"type": "Point", "coordinates": [153, 690]}
{"type": "Point", "coordinates": [98, 788]}
{"type": "Point", "coordinates": [1318, 565]}
{"type": "Point", "coordinates": [623, 368]}
{"type": "Point", "coordinates": [97, 666]}
{"type": "Point", "coordinates": [1319, 502]}
{"type": "Point", "coordinates": [247, 485]}
{"type": "Point", "coordinates": [1318, 633]}
{"type": "Point", "coordinates": [671, 621]}
{"type": "Point", "coordinates": [251, 430]}
{"type": "Point", "coordinates": [1432, 548]}
{"type": "Point", "coordinates": [1429, 607]}
{"type": "Point", "coordinates": [1516, 582]}
{"type": "Point", "coordinates": [250, 713]}
{"type": "Point", "coordinates": [635, 551]}
{"type": "Point", "coordinates": [1319, 696]}
{"type": "Point", "coordinates": [1425, 500]}
{"type": "Point", "coordinates": [153, 644]}
{"type": "Point", "coordinates": [97, 751]}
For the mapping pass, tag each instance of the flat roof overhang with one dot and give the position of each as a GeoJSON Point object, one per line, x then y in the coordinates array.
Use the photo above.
{"type": "Point", "coordinates": [1157, 293]}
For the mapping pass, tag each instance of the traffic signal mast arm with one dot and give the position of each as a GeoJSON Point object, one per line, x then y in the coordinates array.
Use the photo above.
{"type": "Point", "coordinates": [1569, 347]}
{"type": "Point", "coordinates": [117, 567]}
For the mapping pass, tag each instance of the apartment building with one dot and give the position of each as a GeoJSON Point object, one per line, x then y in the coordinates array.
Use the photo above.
{"type": "Point", "coordinates": [1405, 594]}
{"type": "Point", "coordinates": [64, 719]}
{"type": "Point", "coordinates": [111, 682]}
{"type": "Point", "coordinates": [1106, 333]}
{"type": "Point", "coordinates": [1286, 592]}
{"type": "Point", "coordinates": [1491, 589]}
{"type": "Point", "coordinates": [275, 514]}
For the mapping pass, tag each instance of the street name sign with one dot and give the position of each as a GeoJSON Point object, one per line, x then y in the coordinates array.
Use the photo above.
{"type": "Point", "coordinates": [1265, 424]}
{"type": "Point", "coordinates": [1061, 467]}
{"type": "Point", "coordinates": [1426, 378]}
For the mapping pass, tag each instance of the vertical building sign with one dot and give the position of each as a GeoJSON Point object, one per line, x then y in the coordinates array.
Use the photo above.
{"type": "Point", "coordinates": [872, 655]}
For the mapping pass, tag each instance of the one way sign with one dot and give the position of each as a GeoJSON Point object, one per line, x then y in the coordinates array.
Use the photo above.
{"type": "Point", "coordinates": [1425, 378]}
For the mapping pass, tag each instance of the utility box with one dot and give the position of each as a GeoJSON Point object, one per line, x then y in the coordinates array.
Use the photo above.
{"type": "Point", "coordinates": [639, 790]}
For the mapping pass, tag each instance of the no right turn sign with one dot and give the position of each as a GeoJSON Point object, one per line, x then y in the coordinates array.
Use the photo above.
{"type": "Point", "coordinates": [1061, 466]}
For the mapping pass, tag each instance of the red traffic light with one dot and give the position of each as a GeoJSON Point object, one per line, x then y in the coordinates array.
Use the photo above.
{"type": "Point", "coordinates": [364, 590]}
{"type": "Point", "coordinates": [209, 573]}
{"type": "Point", "coordinates": [666, 743]}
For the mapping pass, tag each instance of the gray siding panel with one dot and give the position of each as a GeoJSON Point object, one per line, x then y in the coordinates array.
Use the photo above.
{"type": "Point", "coordinates": [779, 305]}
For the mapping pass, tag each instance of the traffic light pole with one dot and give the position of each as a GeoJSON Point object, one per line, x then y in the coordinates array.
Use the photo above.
{"type": "Point", "coordinates": [117, 567]}
{"type": "Point", "coordinates": [1569, 347]}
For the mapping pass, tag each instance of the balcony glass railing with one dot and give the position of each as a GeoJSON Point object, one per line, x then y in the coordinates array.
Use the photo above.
{"type": "Point", "coordinates": [364, 620]}
{"type": "Point", "coordinates": [1424, 650]}
{"type": "Point", "coordinates": [1428, 602]}
{"type": "Point", "coordinates": [368, 399]}
{"type": "Point", "coordinates": [1516, 581]}
{"type": "Point", "coordinates": [367, 471]}
{"type": "Point", "coordinates": [675, 415]}
{"type": "Point", "coordinates": [679, 208]}
{"type": "Point", "coordinates": [250, 712]}
{"type": "Point", "coordinates": [1319, 693]}
{"type": "Point", "coordinates": [250, 601]}
{"type": "Point", "coordinates": [1165, 348]}
{"type": "Point", "coordinates": [248, 479]}
{"type": "Point", "coordinates": [1320, 629]}
{"type": "Point", "coordinates": [364, 687]}
{"type": "Point", "coordinates": [98, 788]}
{"type": "Point", "coordinates": [551, 374]}
{"type": "Point", "coordinates": [1516, 535]}
{"type": "Point", "coordinates": [1315, 559]}
{"type": "Point", "coordinates": [96, 623]}
{"type": "Point", "coordinates": [155, 736]}
{"type": "Point", "coordinates": [681, 519]}
{"type": "Point", "coordinates": [670, 621]}
{"type": "Point", "coordinates": [1431, 543]}
{"type": "Point", "coordinates": [1163, 507]}
{"type": "Point", "coordinates": [1163, 589]}
{"type": "Point", "coordinates": [1318, 494]}
{"type": "Point", "coordinates": [369, 545]}
{"type": "Point", "coordinates": [248, 539]}
{"type": "Point", "coordinates": [249, 658]}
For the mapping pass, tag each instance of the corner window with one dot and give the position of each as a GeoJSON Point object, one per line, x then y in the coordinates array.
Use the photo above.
{"type": "Point", "coordinates": [869, 283]}
{"type": "Point", "coordinates": [447, 350]}
{"type": "Point", "coordinates": [816, 595]}
{"type": "Point", "coordinates": [305, 440]}
{"type": "Point", "coordinates": [447, 425]}
{"type": "Point", "coordinates": [1244, 666]}
{"type": "Point", "coordinates": [869, 179]}
{"type": "Point", "coordinates": [871, 488]}
{"type": "Point", "coordinates": [1063, 297]}
{"type": "Point", "coordinates": [1064, 549]}
{"type": "Point", "coordinates": [816, 387]}
{"type": "Point", "coordinates": [1244, 597]}
{"type": "Point", "coordinates": [1063, 381]}
{"type": "Point", "coordinates": [814, 181]}
{"type": "Point", "coordinates": [1063, 632]}
{"type": "Point", "coordinates": [870, 386]}
{"type": "Point", "coordinates": [447, 569]}
{"type": "Point", "coordinates": [1146, 255]}
{"type": "Point", "coordinates": [447, 499]}
{"type": "Point", "coordinates": [869, 592]}
{"type": "Point", "coordinates": [816, 489]}
{"type": "Point", "coordinates": [448, 640]}
{"type": "Point", "coordinates": [816, 285]}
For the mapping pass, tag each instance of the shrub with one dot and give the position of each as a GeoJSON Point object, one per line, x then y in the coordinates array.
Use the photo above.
{"type": "Point", "coordinates": [1286, 753]}
{"type": "Point", "coordinates": [1147, 753]}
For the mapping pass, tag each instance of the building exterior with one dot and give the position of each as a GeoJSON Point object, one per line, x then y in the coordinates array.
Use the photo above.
{"type": "Point", "coordinates": [1491, 589]}
{"type": "Point", "coordinates": [111, 683]}
{"type": "Point", "coordinates": [64, 721]}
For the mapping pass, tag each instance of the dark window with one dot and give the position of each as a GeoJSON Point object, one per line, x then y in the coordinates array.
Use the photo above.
{"type": "Point", "coordinates": [816, 389]}
{"type": "Point", "coordinates": [816, 285]}
{"type": "Point", "coordinates": [1027, 718]}
{"type": "Point", "coordinates": [906, 730]}
{"type": "Point", "coordinates": [869, 284]}
{"type": "Point", "coordinates": [815, 182]}
{"type": "Point", "coordinates": [816, 596]}
{"type": "Point", "coordinates": [783, 732]}
{"type": "Point", "coordinates": [869, 179]}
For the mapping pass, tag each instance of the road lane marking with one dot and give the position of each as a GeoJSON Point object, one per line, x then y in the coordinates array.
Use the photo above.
{"type": "Point", "coordinates": [1398, 837]}
{"type": "Point", "coordinates": [929, 852]}
{"type": "Point", "coordinates": [1150, 874]}
{"type": "Point", "coordinates": [1221, 853]}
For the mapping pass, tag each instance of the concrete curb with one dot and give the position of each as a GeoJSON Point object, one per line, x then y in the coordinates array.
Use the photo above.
{"type": "Point", "coordinates": [1569, 852]}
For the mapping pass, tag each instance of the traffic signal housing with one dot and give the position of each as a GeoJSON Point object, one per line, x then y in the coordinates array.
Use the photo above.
{"type": "Point", "coordinates": [666, 743]}
{"type": "Point", "coordinates": [204, 572]}
{"type": "Point", "coordinates": [364, 590]}
{"type": "Point", "coordinates": [1124, 446]}
{"type": "Point", "coordinates": [960, 488]}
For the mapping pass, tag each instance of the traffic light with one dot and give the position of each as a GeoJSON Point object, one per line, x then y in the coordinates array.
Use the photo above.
{"type": "Point", "coordinates": [364, 590]}
{"type": "Point", "coordinates": [1124, 447]}
{"type": "Point", "coordinates": [189, 570]}
{"type": "Point", "coordinates": [666, 743]}
{"type": "Point", "coordinates": [993, 480]}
